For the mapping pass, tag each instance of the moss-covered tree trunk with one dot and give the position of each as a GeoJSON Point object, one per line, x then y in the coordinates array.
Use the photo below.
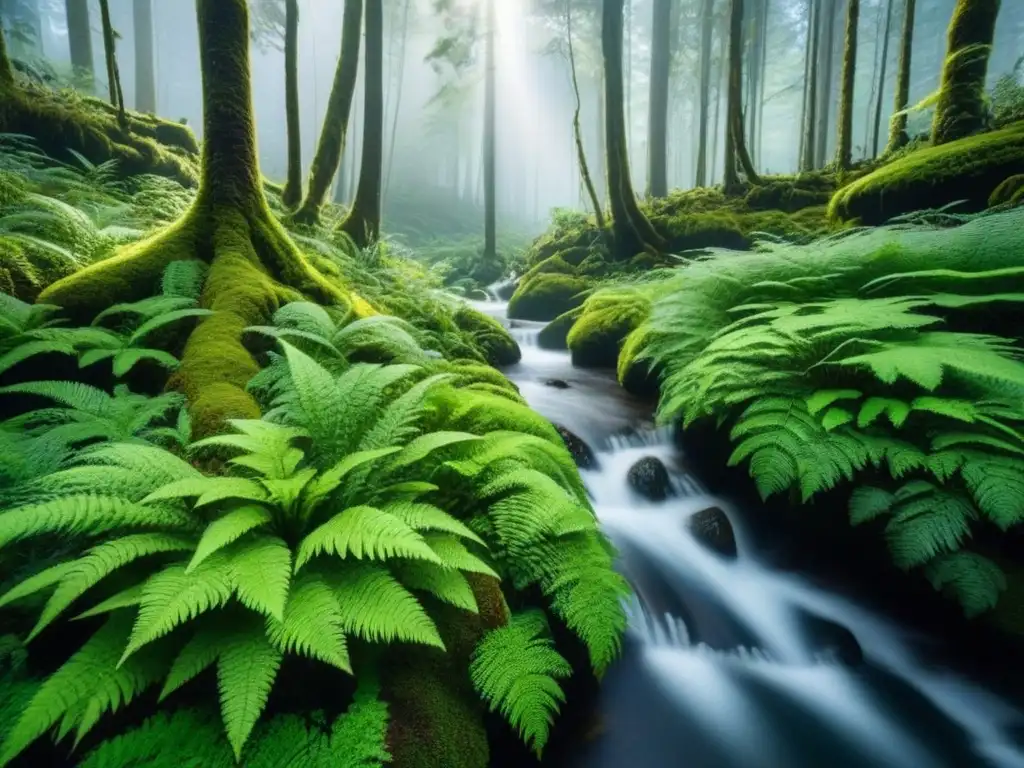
{"type": "Point", "coordinates": [363, 221]}
{"type": "Point", "coordinates": [632, 231]}
{"type": "Point", "coordinates": [707, 22]}
{"type": "Point", "coordinates": [254, 265]}
{"type": "Point", "coordinates": [898, 124]}
{"type": "Point", "coordinates": [736, 146]}
{"type": "Point", "coordinates": [145, 60]}
{"type": "Point", "coordinates": [844, 149]}
{"type": "Point", "coordinates": [961, 109]}
{"type": "Point", "coordinates": [6, 69]}
{"type": "Point", "coordinates": [331, 145]}
{"type": "Point", "coordinates": [291, 196]}
{"type": "Point", "coordinates": [490, 254]}
{"type": "Point", "coordinates": [80, 40]}
{"type": "Point", "coordinates": [657, 124]}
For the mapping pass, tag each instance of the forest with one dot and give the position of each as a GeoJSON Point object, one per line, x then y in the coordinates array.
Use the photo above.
{"type": "Point", "coordinates": [633, 382]}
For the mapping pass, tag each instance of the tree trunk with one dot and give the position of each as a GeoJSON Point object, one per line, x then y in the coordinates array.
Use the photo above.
{"type": "Point", "coordinates": [581, 155]}
{"type": "Point", "coordinates": [633, 232]}
{"type": "Point", "coordinates": [762, 78]}
{"type": "Point", "coordinates": [736, 134]}
{"type": "Point", "coordinates": [398, 95]}
{"type": "Point", "coordinates": [844, 150]}
{"type": "Point", "coordinates": [145, 64]}
{"type": "Point", "coordinates": [363, 221]}
{"type": "Point", "coordinates": [80, 40]}
{"type": "Point", "coordinates": [6, 69]}
{"type": "Point", "coordinates": [602, 140]}
{"type": "Point", "coordinates": [826, 65]}
{"type": "Point", "coordinates": [254, 264]}
{"type": "Point", "coordinates": [291, 196]}
{"type": "Point", "coordinates": [809, 117]}
{"type": "Point", "coordinates": [707, 21]}
{"type": "Point", "coordinates": [331, 145]}
{"type": "Point", "coordinates": [490, 254]}
{"type": "Point", "coordinates": [898, 124]}
{"type": "Point", "coordinates": [657, 135]}
{"type": "Point", "coordinates": [110, 55]}
{"type": "Point", "coordinates": [961, 110]}
{"type": "Point", "coordinates": [876, 128]}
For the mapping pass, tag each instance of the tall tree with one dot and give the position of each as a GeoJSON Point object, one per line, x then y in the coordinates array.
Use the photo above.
{"type": "Point", "coordinates": [577, 133]}
{"type": "Point", "coordinates": [331, 145]}
{"type": "Point", "coordinates": [734, 113]}
{"type": "Point", "coordinates": [632, 230]}
{"type": "Point", "coordinates": [844, 148]}
{"type": "Point", "coordinates": [826, 74]}
{"type": "Point", "coordinates": [876, 127]}
{"type": "Point", "coordinates": [291, 196]}
{"type": "Point", "coordinates": [810, 109]}
{"type": "Point", "coordinates": [707, 25]}
{"type": "Point", "coordinates": [145, 59]}
{"type": "Point", "coordinates": [657, 124]}
{"type": "Point", "coordinates": [254, 264]}
{"type": "Point", "coordinates": [398, 94]}
{"type": "Point", "coordinates": [898, 124]}
{"type": "Point", "coordinates": [363, 221]}
{"type": "Point", "coordinates": [110, 54]}
{"type": "Point", "coordinates": [490, 254]}
{"type": "Point", "coordinates": [961, 109]}
{"type": "Point", "coordinates": [80, 40]}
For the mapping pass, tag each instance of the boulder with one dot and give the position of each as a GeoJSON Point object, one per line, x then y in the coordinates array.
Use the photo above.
{"type": "Point", "coordinates": [711, 527]}
{"type": "Point", "coordinates": [557, 383]}
{"type": "Point", "coordinates": [582, 453]}
{"type": "Point", "coordinates": [547, 295]}
{"type": "Point", "coordinates": [649, 477]}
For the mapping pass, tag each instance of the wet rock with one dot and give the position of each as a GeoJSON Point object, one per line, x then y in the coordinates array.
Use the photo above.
{"type": "Point", "coordinates": [649, 478]}
{"type": "Point", "coordinates": [505, 290]}
{"type": "Point", "coordinates": [833, 641]}
{"type": "Point", "coordinates": [557, 383]}
{"type": "Point", "coordinates": [711, 527]}
{"type": "Point", "coordinates": [581, 453]}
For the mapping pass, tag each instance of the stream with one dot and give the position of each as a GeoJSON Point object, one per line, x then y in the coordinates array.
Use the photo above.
{"type": "Point", "coordinates": [728, 663]}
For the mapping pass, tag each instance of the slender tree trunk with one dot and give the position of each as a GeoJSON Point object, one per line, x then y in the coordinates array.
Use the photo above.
{"type": "Point", "coordinates": [602, 141]}
{"type": "Point", "coordinates": [807, 113]}
{"type": "Point", "coordinates": [145, 64]}
{"type": "Point", "coordinates": [331, 145]}
{"type": "Point", "coordinates": [762, 79]}
{"type": "Point", "coordinates": [291, 196]}
{"type": "Point", "coordinates": [898, 124]}
{"type": "Point", "coordinates": [657, 136]}
{"type": "Point", "coordinates": [633, 232]}
{"type": "Point", "coordinates": [961, 110]}
{"type": "Point", "coordinates": [736, 134]}
{"type": "Point", "coordinates": [844, 151]}
{"type": "Point", "coordinates": [6, 69]}
{"type": "Point", "coordinates": [581, 155]}
{"type": "Point", "coordinates": [490, 182]}
{"type": "Point", "coordinates": [363, 222]}
{"type": "Point", "coordinates": [707, 22]}
{"type": "Point", "coordinates": [876, 127]}
{"type": "Point", "coordinates": [80, 40]}
{"type": "Point", "coordinates": [398, 95]}
{"type": "Point", "coordinates": [716, 133]}
{"type": "Point", "coordinates": [113, 74]}
{"type": "Point", "coordinates": [826, 66]}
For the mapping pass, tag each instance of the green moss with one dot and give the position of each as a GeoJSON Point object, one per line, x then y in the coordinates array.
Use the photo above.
{"type": "Point", "coordinates": [479, 413]}
{"type": "Point", "coordinates": [555, 335]}
{"type": "Point", "coordinates": [1010, 191]}
{"type": "Point", "coordinates": [553, 265]}
{"type": "Point", "coordinates": [546, 296]}
{"type": "Point", "coordinates": [635, 376]}
{"type": "Point", "coordinates": [467, 373]}
{"type": "Point", "coordinates": [595, 339]}
{"type": "Point", "coordinates": [968, 169]}
{"type": "Point", "coordinates": [494, 341]}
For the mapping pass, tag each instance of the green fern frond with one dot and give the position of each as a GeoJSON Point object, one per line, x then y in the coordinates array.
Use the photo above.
{"type": "Point", "coordinates": [975, 581]}
{"type": "Point", "coordinates": [868, 503]}
{"type": "Point", "coordinates": [589, 600]}
{"type": "Point", "coordinates": [246, 670]}
{"type": "Point", "coordinates": [823, 398]}
{"type": "Point", "coordinates": [198, 654]}
{"type": "Point", "coordinates": [312, 623]}
{"type": "Point", "coordinates": [896, 411]}
{"type": "Point", "coordinates": [997, 488]}
{"type": "Point", "coordinates": [261, 569]}
{"type": "Point", "coordinates": [226, 529]}
{"type": "Point", "coordinates": [446, 584]}
{"type": "Point", "coordinates": [364, 532]}
{"type": "Point", "coordinates": [927, 526]}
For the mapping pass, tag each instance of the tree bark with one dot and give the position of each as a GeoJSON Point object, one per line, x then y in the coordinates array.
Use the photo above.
{"type": "Point", "coordinates": [398, 95]}
{"type": "Point", "coordinates": [734, 114]}
{"type": "Point", "coordinates": [632, 231]}
{"type": "Point", "coordinates": [581, 155]}
{"type": "Point", "coordinates": [291, 196]}
{"type": "Point", "coordinates": [80, 40]}
{"type": "Point", "coordinates": [145, 63]}
{"type": "Point", "coordinates": [363, 221]}
{"type": "Point", "coordinates": [707, 22]}
{"type": "Point", "coordinates": [876, 128]}
{"type": "Point", "coordinates": [844, 150]}
{"type": "Point", "coordinates": [6, 69]}
{"type": "Point", "coordinates": [331, 144]}
{"type": "Point", "coordinates": [898, 124]}
{"type": "Point", "coordinates": [825, 71]}
{"type": "Point", "coordinates": [490, 254]}
{"type": "Point", "coordinates": [809, 118]}
{"type": "Point", "coordinates": [657, 125]}
{"type": "Point", "coordinates": [110, 55]}
{"type": "Point", "coordinates": [961, 110]}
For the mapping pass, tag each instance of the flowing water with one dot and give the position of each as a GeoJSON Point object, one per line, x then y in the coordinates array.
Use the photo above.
{"type": "Point", "coordinates": [730, 664]}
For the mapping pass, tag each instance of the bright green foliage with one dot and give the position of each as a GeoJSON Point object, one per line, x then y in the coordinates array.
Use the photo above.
{"type": "Point", "coordinates": [856, 355]}
{"type": "Point", "coordinates": [546, 296]}
{"type": "Point", "coordinates": [516, 668]}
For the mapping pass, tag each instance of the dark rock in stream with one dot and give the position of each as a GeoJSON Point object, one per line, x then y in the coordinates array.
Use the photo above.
{"type": "Point", "coordinates": [581, 453]}
{"type": "Point", "coordinates": [711, 527]}
{"type": "Point", "coordinates": [650, 479]}
{"type": "Point", "coordinates": [557, 383]}
{"type": "Point", "coordinates": [832, 641]}
{"type": "Point", "coordinates": [506, 289]}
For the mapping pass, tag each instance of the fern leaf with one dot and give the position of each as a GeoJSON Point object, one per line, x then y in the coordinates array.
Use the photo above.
{"type": "Point", "coordinates": [424, 445]}
{"type": "Point", "coordinates": [868, 503]}
{"type": "Point", "coordinates": [163, 320]}
{"type": "Point", "coordinates": [836, 417]}
{"type": "Point", "coordinates": [30, 349]}
{"type": "Point", "coordinates": [364, 532]}
{"type": "Point", "coordinates": [447, 585]}
{"type": "Point", "coordinates": [44, 579]}
{"type": "Point", "coordinates": [426, 517]}
{"type": "Point", "coordinates": [312, 624]}
{"type": "Point", "coordinates": [927, 526]}
{"type": "Point", "coordinates": [126, 360]}
{"type": "Point", "coordinates": [589, 600]}
{"type": "Point", "coordinates": [961, 410]}
{"type": "Point", "coordinates": [873, 407]}
{"type": "Point", "coordinates": [326, 482]}
{"type": "Point", "coordinates": [453, 554]}
{"type": "Point", "coordinates": [261, 573]}
{"type": "Point", "coordinates": [126, 598]}
{"type": "Point", "coordinates": [974, 581]}
{"type": "Point", "coordinates": [399, 420]}
{"type": "Point", "coordinates": [997, 489]}
{"type": "Point", "coordinates": [210, 490]}
{"type": "Point", "coordinates": [823, 398]}
{"type": "Point", "coordinates": [227, 529]}
{"type": "Point", "coordinates": [246, 670]}
{"type": "Point", "coordinates": [197, 655]}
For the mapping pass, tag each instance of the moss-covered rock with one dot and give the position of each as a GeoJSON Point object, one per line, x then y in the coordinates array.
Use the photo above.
{"type": "Point", "coordinates": [497, 346]}
{"type": "Point", "coordinates": [596, 338]}
{"type": "Point", "coordinates": [969, 169]}
{"type": "Point", "coordinates": [546, 296]}
{"type": "Point", "coordinates": [555, 335]}
{"type": "Point", "coordinates": [635, 375]}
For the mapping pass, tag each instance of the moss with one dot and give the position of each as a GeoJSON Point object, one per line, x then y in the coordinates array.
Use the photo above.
{"type": "Point", "coordinates": [968, 169]}
{"type": "Point", "coordinates": [636, 376]}
{"type": "Point", "coordinates": [494, 341]}
{"type": "Point", "coordinates": [554, 265]}
{"type": "Point", "coordinates": [468, 372]}
{"type": "Point", "coordinates": [479, 413]}
{"type": "Point", "coordinates": [555, 335]}
{"type": "Point", "coordinates": [546, 296]}
{"type": "Point", "coordinates": [595, 339]}
{"type": "Point", "coordinates": [1010, 191]}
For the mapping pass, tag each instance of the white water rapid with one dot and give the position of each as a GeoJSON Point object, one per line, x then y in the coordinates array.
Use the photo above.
{"type": "Point", "coordinates": [730, 664]}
